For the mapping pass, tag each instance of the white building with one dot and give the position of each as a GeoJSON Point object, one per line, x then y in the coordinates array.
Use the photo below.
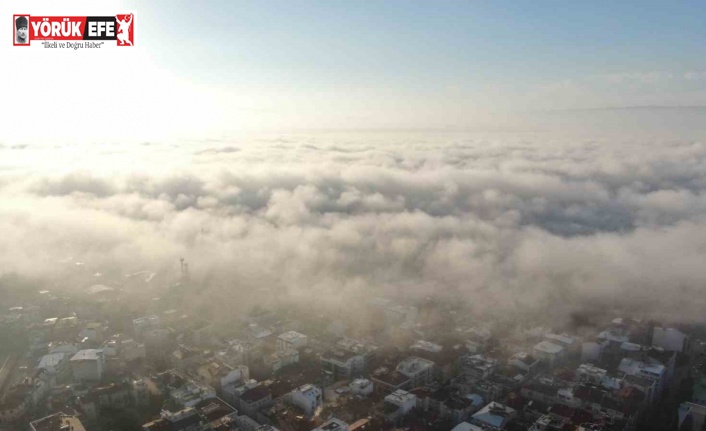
{"type": "Point", "coordinates": [191, 394]}
{"type": "Point", "coordinates": [362, 387]}
{"type": "Point", "coordinates": [587, 373]}
{"type": "Point", "coordinates": [478, 366]}
{"type": "Point", "coordinates": [670, 339]}
{"type": "Point", "coordinates": [494, 414]}
{"type": "Point", "coordinates": [308, 398]}
{"type": "Point", "coordinates": [240, 373]}
{"type": "Point", "coordinates": [402, 399]}
{"type": "Point", "coordinates": [333, 425]}
{"type": "Point", "coordinates": [291, 340]}
{"type": "Point", "coordinates": [418, 370]}
{"type": "Point", "coordinates": [342, 363]}
{"type": "Point", "coordinates": [523, 361]}
{"type": "Point", "coordinates": [87, 364]}
{"type": "Point", "coordinates": [570, 343]}
{"type": "Point", "coordinates": [656, 372]}
{"type": "Point", "coordinates": [548, 352]}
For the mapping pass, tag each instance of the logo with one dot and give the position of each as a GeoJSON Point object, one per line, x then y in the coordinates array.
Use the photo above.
{"type": "Point", "coordinates": [66, 31]}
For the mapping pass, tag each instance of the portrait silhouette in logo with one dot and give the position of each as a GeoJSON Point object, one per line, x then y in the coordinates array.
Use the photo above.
{"type": "Point", "coordinates": [21, 34]}
{"type": "Point", "coordinates": [124, 30]}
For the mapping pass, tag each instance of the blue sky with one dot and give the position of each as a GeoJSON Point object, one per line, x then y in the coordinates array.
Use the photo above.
{"type": "Point", "coordinates": [427, 44]}
{"type": "Point", "coordinates": [393, 64]}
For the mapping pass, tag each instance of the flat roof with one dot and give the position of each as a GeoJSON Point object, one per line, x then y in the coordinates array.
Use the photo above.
{"type": "Point", "coordinates": [339, 355]}
{"type": "Point", "coordinates": [88, 355]}
{"type": "Point", "coordinates": [255, 394]}
{"type": "Point", "coordinates": [56, 421]}
{"type": "Point", "coordinates": [546, 346]}
{"type": "Point", "coordinates": [332, 425]}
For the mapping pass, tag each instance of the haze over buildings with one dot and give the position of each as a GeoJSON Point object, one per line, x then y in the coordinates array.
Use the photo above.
{"type": "Point", "coordinates": [357, 216]}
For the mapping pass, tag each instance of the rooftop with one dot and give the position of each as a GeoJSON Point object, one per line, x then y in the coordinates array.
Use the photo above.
{"type": "Point", "coordinates": [413, 365]}
{"type": "Point", "coordinates": [338, 355]}
{"type": "Point", "coordinates": [255, 394]}
{"type": "Point", "coordinates": [56, 421]}
{"type": "Point", "coordinates": [526, 358]}
{"type": "Point", "coordinates": [632, 366]}
{"type": "Point", "coordinates": [394, 378]}
{"type": "Point", "coordinates": [563, 339]}
{"type": "Point", "coordinates": [547, 347]}
{"type": "Point", "coordinates": [51, 360]}
{"type": "Point", "coordinates": [333, 425]}
{"type": "Point", "coordinates": [494, 414]}
{"type": "Point", "coordinates": [88, 355]}
{"type": "Point", "coordinates": [400, 397]}
{"type": "Point", "coordinates": [213, 409]}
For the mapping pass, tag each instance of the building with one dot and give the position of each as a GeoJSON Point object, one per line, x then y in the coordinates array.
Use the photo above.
{"type": "Point", "coordinates": [670, 339]}
{"type": "Point", "coordinates": [245, 423]}
{"type": "Point", "coordinates": [692, 416]}
{"type": "Point", "coordinates": [333, 425]}
{"type": "Point", "coordinates": [191, 393]}
{"type": "Point", "coordinates": [209, 415]}
{"type": "Point", "coordinates": [656, 372]}
{"type": "Point", "coordinates": [571, 344]}
{"type": "Point", "coordinates": [587, 373]}
{"type": "Point", "coordinates": [418, 370]}
{"type": "Point", "coordinates": [478, 366]}
{"type": "Point", "coordinates": [232, 391]}
{"type": "Point", "coordinates": [255, 399]}
{"type": "Point", "coordinates": [56, 364]}
{"type": "Point", "coordinates": [363, 387]}
{"type": "Point", "coordinates": [187, 419]}
{"type": "Point", "coordinates": [549, 352]}
{"type": "Point", "coordinates": [308, 398]}
{"type": "Point", "coordinates": [291, 340]}
{"type": "Point", "coordinates": [57, 422]}
{"type": "Point", "coordinates": [115, 395]}
{"type": "Point", "coordinates": [281, 359]}
{"type": "Point", "coordinates": [525, 362]}
{"type": "Point", "coordinates": [404, 400]}
{"type": "Point", "coordinates": [219, 374]}
{"type": "Point", "coordinates": [550, 423]}
{"type": "Point", "coordinates": [386, 380]}
{"type": "Point", "coordinates": [495, 415]}
{"type": "Point", "coordinates": [88, 365]}
{"type": "Point", "coordinates": [342, 364]}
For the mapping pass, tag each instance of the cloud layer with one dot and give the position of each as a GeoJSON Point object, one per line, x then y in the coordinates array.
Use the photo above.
{"type": "Point", "coordinates": [511, 226]}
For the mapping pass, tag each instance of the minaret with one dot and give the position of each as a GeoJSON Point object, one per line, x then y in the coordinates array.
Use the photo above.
{"type": "Point", "coordinates": [184, 269]}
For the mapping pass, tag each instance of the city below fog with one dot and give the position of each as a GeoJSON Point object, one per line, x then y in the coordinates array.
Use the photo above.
{"type": "Point", "coordinates": [363, 281]}
{"type": "Point", "coordinates": [299, 215]}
